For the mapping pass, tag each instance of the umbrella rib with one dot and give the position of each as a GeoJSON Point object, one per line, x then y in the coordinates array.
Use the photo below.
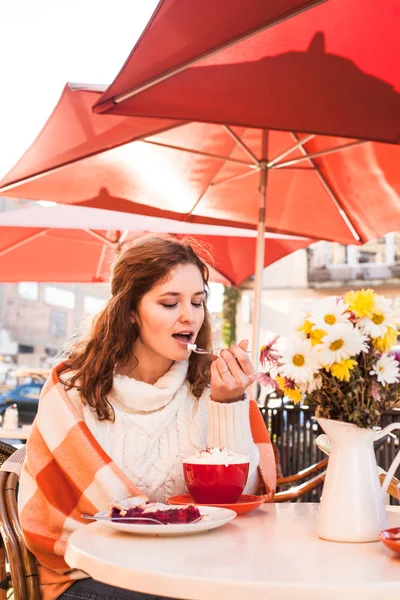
{"type": "Point", "coordinates": [332, 195]}
{"type": "Point", "coordinates": [198, 152]}
{"type": "Point", "coordinates": [23, 242]}
{"type": "Point", "coordinates": [240, 142]}
{"type": "Point", "coordinates": [118, 98]}
{"type": "Point", "coordinates": [227, 158]}
{"type": "Point", "coordinates": [233, 178]}
{"type": "Point", "coordinates": [56, 168]}
{"type": "Point", "coordinates": [101, 238]}
{"type": "Point", "coordinates": [316, 154]}
{"type": "Point", "coordinates": [100, 263]}
{"type": "Point", "coordinates": [123, 237]}
{"type": "Point", "coordinates": [272, 162]}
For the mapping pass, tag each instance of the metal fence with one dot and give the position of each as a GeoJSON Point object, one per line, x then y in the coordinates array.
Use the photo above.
{"type": "Point", "coordinates": [294, 429]}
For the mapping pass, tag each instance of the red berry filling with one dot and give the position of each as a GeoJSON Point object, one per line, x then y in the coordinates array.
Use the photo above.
{"type": "Point", "coordinates": [185, 514]}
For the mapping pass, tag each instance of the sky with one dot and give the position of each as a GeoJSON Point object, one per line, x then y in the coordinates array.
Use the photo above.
{"type": "Point", "coordinates": [44, 44]}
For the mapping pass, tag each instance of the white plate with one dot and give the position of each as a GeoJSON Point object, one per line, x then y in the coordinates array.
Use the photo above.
{"type": "Point", "coordinates": [217, 518]}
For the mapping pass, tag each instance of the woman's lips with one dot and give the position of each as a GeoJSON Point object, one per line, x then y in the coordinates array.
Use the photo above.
{"type": "Point", "coordinates": [183, 342]}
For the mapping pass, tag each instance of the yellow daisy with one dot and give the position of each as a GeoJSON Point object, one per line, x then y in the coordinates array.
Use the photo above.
{"type": "Point", "coordinates": [292, 393]}
{"type": "Point", "coordinates": [314, 335]}
{"type": "Point", "coordinates": [306, 327]}
{"type": "Point", "coordinates": [341, 370]}
{"type": "Point", "coordinates": [361, 303]}
{"type": "Point", "coordinates": [384, 343]}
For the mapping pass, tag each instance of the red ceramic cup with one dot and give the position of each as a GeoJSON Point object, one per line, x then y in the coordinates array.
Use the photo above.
{"type": "Point", "coordinates": [216, 484]}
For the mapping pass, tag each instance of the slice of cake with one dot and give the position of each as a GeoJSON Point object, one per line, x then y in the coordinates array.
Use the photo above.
{"type": "Point", "coordinates": [139, 508]}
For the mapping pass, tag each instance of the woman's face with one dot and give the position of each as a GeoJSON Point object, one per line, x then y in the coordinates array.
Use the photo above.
{"type": "Point", "coordinates": [171, 314]}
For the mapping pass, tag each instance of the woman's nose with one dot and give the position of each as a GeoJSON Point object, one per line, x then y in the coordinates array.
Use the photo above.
{"type": "Point", "coordinates": [186, 315]}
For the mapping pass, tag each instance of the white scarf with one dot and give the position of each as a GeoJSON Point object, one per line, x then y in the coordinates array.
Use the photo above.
{"type": "Point", "coordinates": [137, 396]}
{"type": "Point", "coordinates": [156, 427]}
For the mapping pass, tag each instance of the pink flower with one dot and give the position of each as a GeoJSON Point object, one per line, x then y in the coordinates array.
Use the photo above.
{"type": "Point", "coordinates": [353, 317]}
{"type": "Point", "coordinates": [266, 380]}
{"type": "Point", "coordinates": [289, 383]}
{"type": "Point", "coordinates": [269, 354]}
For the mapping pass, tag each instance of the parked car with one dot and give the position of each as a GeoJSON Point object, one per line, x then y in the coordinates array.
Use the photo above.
{"type": "Point", "coordinates": [25, 396]}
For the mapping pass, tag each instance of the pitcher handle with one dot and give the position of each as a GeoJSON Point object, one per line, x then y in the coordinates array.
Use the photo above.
{"type": "Point", "coordinates": [396, 460]}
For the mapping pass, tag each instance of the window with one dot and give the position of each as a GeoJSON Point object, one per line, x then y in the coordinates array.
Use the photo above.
{"type": "Point", "coordinates": [59, 297]}
{"type": "Point", "coordinates": [24, 349]}
{"type": "Point", "coordinates": [58, 323]}
{"type": "Point", "coordinates": [92, 304]}
{"type": "Point", "coordinates": [28, 290]}
{"type": "Point", "coordinates": [50, 352]}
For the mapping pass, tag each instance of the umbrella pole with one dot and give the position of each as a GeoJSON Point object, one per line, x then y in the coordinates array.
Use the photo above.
{"type": "Point", "coordinates": [260, 250]}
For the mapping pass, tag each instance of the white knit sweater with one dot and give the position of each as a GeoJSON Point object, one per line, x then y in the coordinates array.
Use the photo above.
{"type": "Point", "coordinates": [157, 426]}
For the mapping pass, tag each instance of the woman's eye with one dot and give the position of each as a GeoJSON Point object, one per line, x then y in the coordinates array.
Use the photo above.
{"type": "Point", "coordinates": [169, 305]}
{"type": "Point", "coordinates": [197, 304]}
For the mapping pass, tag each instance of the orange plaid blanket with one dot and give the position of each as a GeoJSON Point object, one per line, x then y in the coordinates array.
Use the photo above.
{"type": "Point", "coordinates": [67, 473]}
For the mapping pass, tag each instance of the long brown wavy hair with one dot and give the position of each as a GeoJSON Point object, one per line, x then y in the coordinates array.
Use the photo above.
{"type": "Point", "coordinates": [144, 263]}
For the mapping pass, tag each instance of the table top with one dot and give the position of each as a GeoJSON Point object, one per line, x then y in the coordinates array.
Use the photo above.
{"type": "Point", "coordinates": [274, 550]}
{"type": "Point", "coordinates": [21, 433]}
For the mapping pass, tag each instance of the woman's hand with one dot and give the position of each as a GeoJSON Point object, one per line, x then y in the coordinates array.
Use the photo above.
{"type": "Point", "coordinates": [231, 373]}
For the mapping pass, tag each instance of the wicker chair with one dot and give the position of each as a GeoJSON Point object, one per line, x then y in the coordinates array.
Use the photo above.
{"type": "Point", "coordinates": [313, 477]}
{"type": "Point", "coordinates": [23, 577]}
{"type": "Point", "coordinates": [293, 487]}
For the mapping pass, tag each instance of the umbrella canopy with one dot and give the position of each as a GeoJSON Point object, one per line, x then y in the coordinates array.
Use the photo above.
{"type": "Point", "coordinates": [77, 244]}
{"type": "Point", "coordinates": [309, 73]}
{"type": "Point", "coordinates": [180, 33]}
{"type": "Point", "coordinates": [318, 186]}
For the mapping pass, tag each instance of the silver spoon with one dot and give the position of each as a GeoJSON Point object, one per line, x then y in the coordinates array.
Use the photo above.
{"type": "Point", "coordinates": [194, 348]}
{"type": "Point", "coordinates": [92, 518]}
{"type": "Point", "coordinates": [140, 519]}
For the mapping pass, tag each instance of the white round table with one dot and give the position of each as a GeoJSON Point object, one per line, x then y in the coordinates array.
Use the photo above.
{"type": "Point", "coordinates": [272, 553]}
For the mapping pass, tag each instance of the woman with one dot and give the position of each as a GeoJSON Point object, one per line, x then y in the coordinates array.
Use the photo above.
{"type": "Point", "coordinates": [118, 417]}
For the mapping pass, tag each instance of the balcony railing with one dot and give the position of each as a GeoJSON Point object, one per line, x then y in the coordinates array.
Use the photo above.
{"type": "Point", "coordinates": [362, 271]}
{"type": "Point", "coordinates": [294, 429]}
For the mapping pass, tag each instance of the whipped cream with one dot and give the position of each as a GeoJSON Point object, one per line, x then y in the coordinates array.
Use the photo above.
{"type": "Point", "coordinates": [191, 346]}
{"type": "Point", "coordinates": [217, 456]}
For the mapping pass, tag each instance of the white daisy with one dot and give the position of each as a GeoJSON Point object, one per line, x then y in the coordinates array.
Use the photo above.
{"type": "Point", "coordinates": [328, 312]}
{"type": "Point", "coordinates": [300, 361]}
{"type": "Point", "coordinates": [342, 341]}
{"type": "Point", "coordinates": [383, 316]}
{"type": "Point", "coordinates": [386, 369]}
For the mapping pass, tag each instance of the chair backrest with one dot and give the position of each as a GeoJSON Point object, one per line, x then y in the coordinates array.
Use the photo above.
{"type": "Point", "coordinates": [23, 573]}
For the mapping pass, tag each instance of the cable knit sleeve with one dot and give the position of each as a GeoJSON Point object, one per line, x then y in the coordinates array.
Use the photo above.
{"type": "Point", "coordinates": [229, 427]}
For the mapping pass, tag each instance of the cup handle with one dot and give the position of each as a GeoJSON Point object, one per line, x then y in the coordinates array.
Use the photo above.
{"type": "Point", "coordinates": [396, 460]}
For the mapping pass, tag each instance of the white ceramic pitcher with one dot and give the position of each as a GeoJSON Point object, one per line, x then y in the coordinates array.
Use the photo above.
{"type": "Point", "coordinates": [352, 508]}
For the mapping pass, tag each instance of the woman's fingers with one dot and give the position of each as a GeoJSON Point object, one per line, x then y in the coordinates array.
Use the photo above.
{"type": "Point", "coordinates": [235, 368]}
{"type": "Point", "coordinates": [239, 351]}
{"type": "Point", "coordinates": [231, 373]}
{"type": "Point", "coordinates": [220, 374]}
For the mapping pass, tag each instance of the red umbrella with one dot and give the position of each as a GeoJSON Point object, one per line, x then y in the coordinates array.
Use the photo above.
{"type": "Point", "coordinates": [334, 69]}
{"type": "Point", "coordinates": [77, 244]}
{"type": "Point", "coordinates": [203, 173]}
{"type": "Point", "coordinates": [181, 33]}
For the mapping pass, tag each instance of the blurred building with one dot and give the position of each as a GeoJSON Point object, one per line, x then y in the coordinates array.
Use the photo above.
{"type": "Point", "coordinates": [36, 319]}
{"type": "Point", "coordinates": [324, 269]}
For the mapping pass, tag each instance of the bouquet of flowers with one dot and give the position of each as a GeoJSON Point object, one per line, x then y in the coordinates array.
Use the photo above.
{"type": "Point", "coordinates": [340, 359]}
